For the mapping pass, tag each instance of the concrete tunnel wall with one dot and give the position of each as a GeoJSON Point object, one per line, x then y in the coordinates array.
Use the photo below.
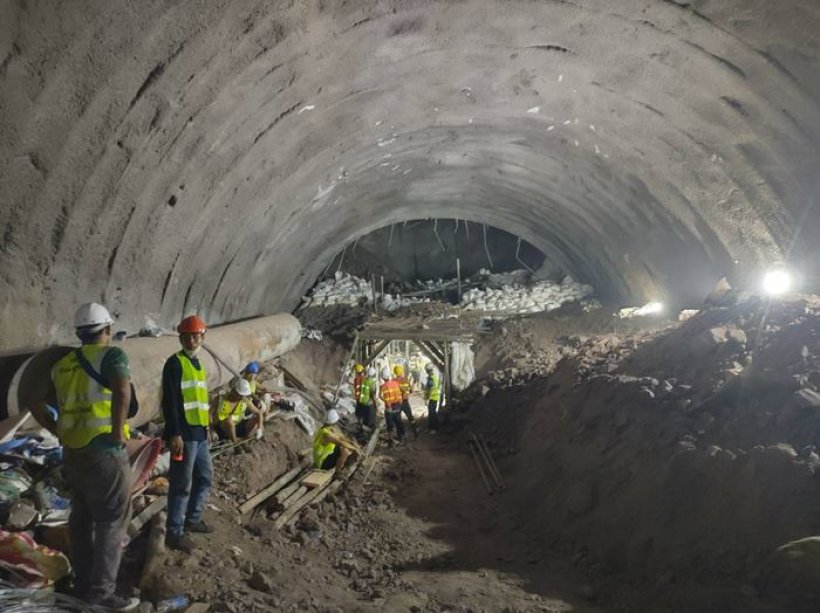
{"type": "Point", "coordinates": [164, 157]}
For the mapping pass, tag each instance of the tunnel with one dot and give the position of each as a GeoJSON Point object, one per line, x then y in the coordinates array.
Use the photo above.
{"type": "Point", "coordinates": [214, 156]}
{"type": "Point", "coordinates": [228, 159]}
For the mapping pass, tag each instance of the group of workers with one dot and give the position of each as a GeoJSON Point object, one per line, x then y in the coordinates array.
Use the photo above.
{"type": "Point", "coordinates": [91, 390]}
{"type": "Point", "coordinates": [394, 392]}
{"type": "Point", "coordinates": [332, 448]}
{"type": "Point", "coordinates": [92, 393]}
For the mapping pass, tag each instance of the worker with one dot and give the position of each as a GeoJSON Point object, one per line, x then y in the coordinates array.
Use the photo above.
{"type": "Point", "coordinates": [331, 448]}
{"type": "Point", "coordinates": [91, 389]}
{"type": "Point", "coordinates": [187, 417]}
{"type": "Point", "coordinates": [228, 412]}
{"type": "Point", "coordinates": [366, 402]}
{"type": "Point", "coordinates": [259, 397]}
{"type": "Point", "coordinates": [358, 379]}
{"type": "Point", "coordinates": [390, 393]}
{"type": "Point", "coordinates": [405, 388]}
{"type": "Point", "coordinates": [432, 394]}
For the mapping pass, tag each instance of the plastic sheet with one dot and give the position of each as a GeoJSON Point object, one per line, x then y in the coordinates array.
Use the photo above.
{"type": "Point", "coordinates": [15, 599]}
{"type": "Point", "coordinates": [462, 368]}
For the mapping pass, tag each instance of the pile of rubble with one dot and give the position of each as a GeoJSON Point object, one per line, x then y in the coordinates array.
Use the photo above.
{"type": "Point", "coordinates": [686, 454]}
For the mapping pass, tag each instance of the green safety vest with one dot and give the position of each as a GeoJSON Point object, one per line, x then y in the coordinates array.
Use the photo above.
{"type": "Point", "coordinates": [435, 388]}
{"type": "Point", "coordinates": [226, 409]}
{"type": "Point", "coordinates": [366, 391]}
{"type": "Point", "coordinates": [85, 405]}
{"type": "Point", "coordinates": [194, 392]}
{"type": "Point", "coordinates": [322, 450]}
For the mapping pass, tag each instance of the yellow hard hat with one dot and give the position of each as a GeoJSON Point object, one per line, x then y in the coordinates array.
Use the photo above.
{"type": "Point", "coordinates": [358, 368]}
{"type": "Point", "coordinates": [398, 370]}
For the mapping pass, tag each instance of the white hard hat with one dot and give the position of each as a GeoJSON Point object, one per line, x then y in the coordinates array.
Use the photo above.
{"type": "Point", "coordinates": [92, 317]}
{"type": "Point", "coordinates": [428, 367]}
{"type": "Point", "coordinates": [242, 386]}
{"type": "Point", "coordinates": [385, 373]}
{"type": "Point", "coordinates": [371, 372]}
{"type": "Point", "coordinates": [332, 416]}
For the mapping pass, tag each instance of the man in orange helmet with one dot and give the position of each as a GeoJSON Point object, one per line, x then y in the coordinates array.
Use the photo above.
{"type": "Point", "coordinates": [187, 416]}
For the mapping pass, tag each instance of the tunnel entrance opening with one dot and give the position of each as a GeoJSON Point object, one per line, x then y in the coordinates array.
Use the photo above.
{"type": "Point", "coordinates": [408, 257]}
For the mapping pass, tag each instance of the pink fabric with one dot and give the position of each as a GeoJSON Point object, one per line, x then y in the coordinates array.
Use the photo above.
{"type": "Point", "coordinates": [143, 452]}
{"type": "Point", "coordinates": [31, 565]}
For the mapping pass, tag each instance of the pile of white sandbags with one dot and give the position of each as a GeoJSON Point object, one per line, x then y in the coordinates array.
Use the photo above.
{"type": "Point", "coordinates": [342, 289]}
{"type": "Point", "coordinates": [351, 290]}
{"type": "Point", "coordinates": [519, 298]}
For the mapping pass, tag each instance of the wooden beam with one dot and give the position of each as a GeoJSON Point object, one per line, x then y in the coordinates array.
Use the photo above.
{"type": "Point", "coordinates": [146, 515]}
{"type": "Point", "coordinates": [381, 346]}
{"type": "Point", "coordinates": [297, 506]}
{"type": "Point", "coordinates": [432, 348]}
{"type": "Point", "coordinates": [448, 395]}
{"type": "Point", "coordinates": [155, 554]}
{"type": "Point", "coordinates": [431, 356]}
{"type": "Point", "coordinates": [268, 491]}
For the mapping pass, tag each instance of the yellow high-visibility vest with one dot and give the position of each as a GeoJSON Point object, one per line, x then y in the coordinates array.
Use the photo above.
{"type": "Point", "coordinates": [435, 387]}
{"type": "Point", "coordinates": [85, 405]}
{"type": "Point", "coordinates": [322, 450]}
{"type": "Point", "coordinates": [194, 392]}
{"type": "Point", "coordinates": [226, 409]}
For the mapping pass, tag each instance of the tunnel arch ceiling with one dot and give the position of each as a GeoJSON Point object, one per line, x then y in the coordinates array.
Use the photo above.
{"type": "Point", "coordinates": [215, 155]}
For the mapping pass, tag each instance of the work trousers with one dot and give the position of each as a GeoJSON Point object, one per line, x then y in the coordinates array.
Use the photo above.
{"type": "Point", "coordinates": [100, 482]}
{"type": "Point", "coordinates": [392, 417]}
{"type": "Point", "coordinates": [189, 482]}
{"type": "Point", "coordinates": [432, 414]}
{"type": "Point", "coordinates": [366, 414]}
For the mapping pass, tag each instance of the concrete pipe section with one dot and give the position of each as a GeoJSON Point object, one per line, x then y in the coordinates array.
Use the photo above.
{"type": "Point", "coordinates": [209, 155]}
{"type": "Point", "coordinates": [263, 338]}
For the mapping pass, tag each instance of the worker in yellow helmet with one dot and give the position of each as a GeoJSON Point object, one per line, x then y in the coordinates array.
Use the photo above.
{"type": "Point", "coordinates": [92, 392]}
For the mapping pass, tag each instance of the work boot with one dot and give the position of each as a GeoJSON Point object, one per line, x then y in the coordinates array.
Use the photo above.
{"type": "Point", "coordinates": [199, 526]}
{"type": "Point", "coordinates": [115, 603]}
{"type": "Point", "coordinates": [179, 542]}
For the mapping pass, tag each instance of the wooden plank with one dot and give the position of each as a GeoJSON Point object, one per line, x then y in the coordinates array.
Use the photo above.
{"type": "Point", "coordinates": [290, 500]}
{"type": "Point", "coordinates": [297, 506]}
{"type": "Point", "coordinates": [371, 444]}
{"type": "Point", "coordinates": [146, 515]}
{"type": "Point", "coordinates": [317, 477]}
{"type": "Point", "coordinates": [155, 555]}
{"type": "Point", "coordinates": [433, 349]}
{"type": "Point", "coordinates": [268, 491]}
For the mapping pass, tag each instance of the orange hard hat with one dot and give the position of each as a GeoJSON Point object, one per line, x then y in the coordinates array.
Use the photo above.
{"type": "Point", "coordinates": [193, 324]}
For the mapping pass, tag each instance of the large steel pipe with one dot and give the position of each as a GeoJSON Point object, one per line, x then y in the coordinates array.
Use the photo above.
{"type": "Point", "coordinates": [263, 338]}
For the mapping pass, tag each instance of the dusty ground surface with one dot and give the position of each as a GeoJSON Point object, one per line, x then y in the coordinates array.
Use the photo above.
{"type": "Point", "coordinates": [668, 469]}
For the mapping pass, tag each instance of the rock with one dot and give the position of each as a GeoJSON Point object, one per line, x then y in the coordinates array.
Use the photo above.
{"type": "Point", "coordinates": [807, 398]}
{"type": "Point", "coordinates": [794, 568]}
{"type": "Point", "coordinates": [737, 336]}
{"type": "Point", "coordinates": [581, 498]}
{"type": "Point", "coordinates": [706, 342]}
{"type": "Point", "coordinates": [198, 607]}
{"type": "Point", "coordinates": [261, 582]}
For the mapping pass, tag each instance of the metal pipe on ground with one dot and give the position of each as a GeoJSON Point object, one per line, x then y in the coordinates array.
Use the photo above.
{"type": "Point", "coordinates": [263, 338]}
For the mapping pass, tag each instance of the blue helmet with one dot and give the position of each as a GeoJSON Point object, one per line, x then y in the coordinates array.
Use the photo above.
{"type": "Point", "coordinates": [252, 367]}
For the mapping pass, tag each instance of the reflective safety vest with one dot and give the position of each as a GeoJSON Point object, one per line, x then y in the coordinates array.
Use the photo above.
{"type": "Point", "coordinates": [435, 387]}
{"type": "Point", "coordinates": [194, 393]}
{"type": "Point", "coordinates": [404, 386]}
{"type": "Point", "coordinates": [357, 386]}
{"type": "Point", "coordinates": [85, 405]}
{"type": "Point", "coordinates": [229, 409]}
{"type": "Point", "coordinates": [367, 391]}
{"type": "Point", "coordinates": [322, 449]}
{"type": "Point", "coordinates": [391, 392]}
{"type": "Point", "coordinates": [253, 386]}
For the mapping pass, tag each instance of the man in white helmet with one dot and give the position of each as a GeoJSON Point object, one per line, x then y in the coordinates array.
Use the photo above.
{"type": "Point", "coordinates": [228, 412]}
{"type": "Point", "coordinates": [366, 402]}
{"type": "Point", "coordinates": [331, 448]}
{"type": "Point", "coordinates": [92, 391]}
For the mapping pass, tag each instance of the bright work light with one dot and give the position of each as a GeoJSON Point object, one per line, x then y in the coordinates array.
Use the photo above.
{"type": "Point", "coordinates": [777, 282]}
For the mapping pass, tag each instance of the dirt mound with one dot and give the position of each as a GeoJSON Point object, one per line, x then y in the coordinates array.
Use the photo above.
{"type": "Point", "coordinates": [676, 458]}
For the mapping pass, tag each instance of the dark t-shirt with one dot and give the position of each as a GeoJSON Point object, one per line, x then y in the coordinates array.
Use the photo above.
{"type": "Point", "coordinates": [172, 405]}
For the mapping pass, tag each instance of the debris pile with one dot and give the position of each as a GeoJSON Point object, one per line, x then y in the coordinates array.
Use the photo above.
{"type": "Point", "coordinates": [688, 452]}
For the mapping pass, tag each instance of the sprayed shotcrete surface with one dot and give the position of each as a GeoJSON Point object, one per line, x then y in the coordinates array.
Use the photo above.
{"type": "Point", "coordinates": [207, 154]}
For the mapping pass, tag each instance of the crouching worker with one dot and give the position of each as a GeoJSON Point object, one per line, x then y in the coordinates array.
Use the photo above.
{"type": "Point", "coordinates": [331, 448]}
{"type": "Point", "coordinates": [228, 413]}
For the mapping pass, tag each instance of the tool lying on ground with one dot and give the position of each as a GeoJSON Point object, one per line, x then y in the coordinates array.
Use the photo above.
{"type": "Point", "coordinates": [485, 463]}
